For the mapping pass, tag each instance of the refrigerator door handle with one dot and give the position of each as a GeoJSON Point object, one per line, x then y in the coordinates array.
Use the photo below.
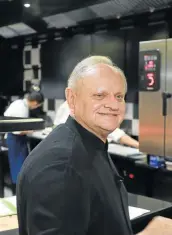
{"type": "Point", "coordinates": [165, 97]}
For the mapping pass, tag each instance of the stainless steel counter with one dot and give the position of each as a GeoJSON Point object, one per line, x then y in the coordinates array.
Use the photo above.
{"type": "Point", "coordinates": [112, 149]}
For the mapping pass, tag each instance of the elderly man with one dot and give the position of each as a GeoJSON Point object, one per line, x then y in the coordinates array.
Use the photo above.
{"type": "Point", "coordinates": [68, 184]}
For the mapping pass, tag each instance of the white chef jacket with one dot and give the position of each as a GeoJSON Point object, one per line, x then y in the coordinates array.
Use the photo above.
{"type": "Point", "coordinates": [18, 108]}
{"type": "Point", "coordinates": [63, 113]}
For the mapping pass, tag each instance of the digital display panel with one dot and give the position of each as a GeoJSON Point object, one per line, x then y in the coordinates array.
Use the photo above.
{"type": "Point", "coordinates": [149, 70]}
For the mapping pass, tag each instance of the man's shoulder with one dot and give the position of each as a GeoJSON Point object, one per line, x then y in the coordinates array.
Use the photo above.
{"type": "Point", "coordinates": [61, 136]}
{"type": "Point", "coordinates": [17, 102]}
{"type": "Point", "coordinates": [69, 145]}
{"type": "Point", "coordinates": [65, 144]}
{"type": "Point", "coordinates": [62, 148]}
{"type": "Point", "coordinates": [55, 149]}
{"type": "Point", "coordinates": [59, 141]}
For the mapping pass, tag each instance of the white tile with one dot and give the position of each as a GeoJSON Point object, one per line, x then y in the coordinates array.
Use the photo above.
{"type": "Point", "coordinates": [39, 74]}
{"type": "Point", "coordinates": [129, 111]}
{"type": "Point", "coordinates": [45, 106]}
{"type": "Point", "coordinates": [35, 56]}
{"type": "Point", "coordinates": [58, 102]}
{"type": "Point", "coordinates": [51, 114]}
{"type": "Point", "coordinates": [135, 127]}
{"type": "Point", "coordinates": [28, 74]}
{"type": "Point", "coordinates": [28, 48]}
{"type": "Point", "coordinates": [8, 192]}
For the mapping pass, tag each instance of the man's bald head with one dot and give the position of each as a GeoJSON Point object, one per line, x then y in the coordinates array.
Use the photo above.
{"type": "Point", "coordinates": [97, 71]}
{"type": "Point", "coordinates": [89, 64]}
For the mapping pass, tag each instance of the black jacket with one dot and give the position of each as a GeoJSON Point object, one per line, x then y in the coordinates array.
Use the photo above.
{"type": "Point", "coordinates": [69, 186]}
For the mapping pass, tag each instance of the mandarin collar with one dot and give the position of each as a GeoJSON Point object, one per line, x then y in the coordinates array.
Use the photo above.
{"type": "Point", "coordinates": [88, 137]}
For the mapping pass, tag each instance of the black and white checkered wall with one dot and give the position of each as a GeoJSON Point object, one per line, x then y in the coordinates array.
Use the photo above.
{"type": "Point", "coordinates": [131, 121]}
{"type": "Point", "coordinates": [32, 66]}
{"type": "Point", "coordinates": [32, 75]}
{"type": "Point", "coordinates": [32, 69]}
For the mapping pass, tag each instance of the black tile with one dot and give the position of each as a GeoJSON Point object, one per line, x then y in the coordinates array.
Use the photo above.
{"type": "Point", "coordinates": [27, 57]}
{"type": "Point", "coordinates": [51, 104]}
{"type": "Point", "coordinates": [35, 71]}
{"type": "Point", "coordinates": [35, 46]}
{"type": "Point", "coordinates": [132, 96]}
{"type": "Point", "coordinates": [136, 111]}
{"type": "Point", "coordinates": [28, 85]}
{"type": "Point", "coordinates": [126, 125]}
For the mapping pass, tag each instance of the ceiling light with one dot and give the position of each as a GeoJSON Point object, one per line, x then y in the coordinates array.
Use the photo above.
{"type": "Point", "coordinates": [7, 32]}
{"type": "Point", "coordinates": [151, 9]}
{"type": "Point", "coordinates": [22, 29]}
{"type": "Point", "coordinates": [118, 16]}
{"type": "Point", "coordinates": [59, 21]}
{"type": "Point", "coordinates": [27, 5]}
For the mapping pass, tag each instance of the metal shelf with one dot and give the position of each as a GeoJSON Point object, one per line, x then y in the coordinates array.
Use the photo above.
{"type": "Point", "coordinates": [11, 124]}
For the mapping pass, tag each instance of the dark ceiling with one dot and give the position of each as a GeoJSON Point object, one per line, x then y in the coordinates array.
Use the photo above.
{"type": "Point", "coordinates": [43, 15]}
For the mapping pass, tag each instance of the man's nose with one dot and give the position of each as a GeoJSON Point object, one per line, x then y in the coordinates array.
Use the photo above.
{"type": "Point", "coordinates": [113, 103]}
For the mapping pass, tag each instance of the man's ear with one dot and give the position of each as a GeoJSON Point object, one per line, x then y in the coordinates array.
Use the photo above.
{"type": "Point", "coordinates": [70, 98]}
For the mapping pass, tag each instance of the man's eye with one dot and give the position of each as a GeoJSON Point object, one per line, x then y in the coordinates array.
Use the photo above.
{"type": "Point", "coordinates": [99, 96]}
{"type": "Point", "coordinates": [120, 97]}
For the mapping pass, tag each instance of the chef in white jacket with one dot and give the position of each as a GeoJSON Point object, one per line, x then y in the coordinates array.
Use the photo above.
{"type": "Point", "coordinates": [118, 135]}
{"type": "Point", "coordinates": [17, 141]}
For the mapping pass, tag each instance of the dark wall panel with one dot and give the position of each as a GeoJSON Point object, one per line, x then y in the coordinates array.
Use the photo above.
{"type": "Point", "coordinates": [109, 44]}
{"type": "Point", "coordinates": [58, 59]}
{"type": "Point", "coordinates": [11, 70]}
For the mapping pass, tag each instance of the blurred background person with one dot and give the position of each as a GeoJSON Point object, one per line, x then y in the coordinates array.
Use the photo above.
{"type": "Point", "coordinates": [17, 141]}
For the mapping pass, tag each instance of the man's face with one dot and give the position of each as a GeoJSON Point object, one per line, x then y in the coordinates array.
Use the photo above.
{"type": "Point", "coordinates": [98, 102]}
{"type": "Point", "coordinates": [33, 105]}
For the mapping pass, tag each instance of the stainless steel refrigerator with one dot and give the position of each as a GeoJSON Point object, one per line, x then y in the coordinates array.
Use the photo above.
{"type": "Point", "coordinates": [155, 97]}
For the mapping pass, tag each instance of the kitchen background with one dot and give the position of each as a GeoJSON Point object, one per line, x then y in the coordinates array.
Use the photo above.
{"type": "Point", "coordinates": [49, 62]}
